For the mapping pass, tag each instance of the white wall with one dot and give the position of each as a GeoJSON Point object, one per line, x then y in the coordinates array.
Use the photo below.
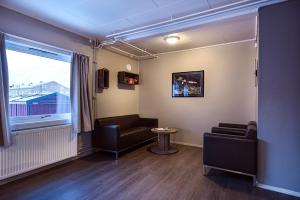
{"type": "Point", "coordinates": [229, 89]}
{"type": "Point", "coordinates": [114, 101]}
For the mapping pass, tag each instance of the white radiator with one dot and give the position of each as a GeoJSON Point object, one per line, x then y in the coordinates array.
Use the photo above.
{"type": "Point", "coordinates": [32, 149]}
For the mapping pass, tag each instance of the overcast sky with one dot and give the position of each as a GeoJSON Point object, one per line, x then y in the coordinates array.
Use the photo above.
{"type": "Point", "coordinates": [26, 68]}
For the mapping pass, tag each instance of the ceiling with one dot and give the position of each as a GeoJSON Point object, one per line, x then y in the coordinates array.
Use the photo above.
{"type": "Point", "coordinates": [94, 18]}
{"type": "Point", "coordinates": [97, 19]}
{"type": "Point", "coordinates": [223, 31]}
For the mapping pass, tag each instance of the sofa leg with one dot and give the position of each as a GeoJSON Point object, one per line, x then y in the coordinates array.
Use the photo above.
{"type": "Point", "coordinates": [205, 170]}
{"type": "Point", "coordinates": [254, 180]}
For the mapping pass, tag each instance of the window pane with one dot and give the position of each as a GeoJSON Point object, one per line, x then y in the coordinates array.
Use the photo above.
{"type": "Point", "coordinates": [37, 85]}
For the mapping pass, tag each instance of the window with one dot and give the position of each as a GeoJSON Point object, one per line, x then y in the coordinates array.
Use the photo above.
{"type": "Point", "coordinates": [39, 85]}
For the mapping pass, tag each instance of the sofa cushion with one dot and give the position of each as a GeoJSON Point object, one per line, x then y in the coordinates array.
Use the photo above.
{"type": "Point", "coordinates": [131, 131]}
{"type": "Point", "coordinates": [133, 136]}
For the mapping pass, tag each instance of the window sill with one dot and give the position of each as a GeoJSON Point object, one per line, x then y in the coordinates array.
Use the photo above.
{"type": "Point", "coordinates": [39, 130]}
{"type": "Point", "coordinates": [22, 124]}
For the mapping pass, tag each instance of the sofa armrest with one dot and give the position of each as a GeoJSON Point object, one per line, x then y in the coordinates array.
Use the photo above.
{"type": "Point", "coordinates": [106, 137]}
{"type": "Point", "coordinates": [229, 131]}
{"type": "Point", "coordinates": [229, 125]}
{"type": "Point", "coordinates": [230, 152]}
{"type": "Point", "coordinates": [148, 122]}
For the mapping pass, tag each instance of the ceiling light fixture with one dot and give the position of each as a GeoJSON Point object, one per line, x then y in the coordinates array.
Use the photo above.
{"type": "Point", "coordinates": [171, 39]}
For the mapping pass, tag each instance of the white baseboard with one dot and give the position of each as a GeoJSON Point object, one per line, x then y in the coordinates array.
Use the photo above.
{"type": "Point", "coordinates": [187, 144]}
{"type": "Point", "coordinates": [278, 189]}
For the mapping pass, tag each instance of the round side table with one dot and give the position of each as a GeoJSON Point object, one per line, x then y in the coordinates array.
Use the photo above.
{"type": "Point", "coordinates": [163, 146]}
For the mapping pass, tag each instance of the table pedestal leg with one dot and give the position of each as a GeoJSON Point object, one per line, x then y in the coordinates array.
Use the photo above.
{"type": "Point", "coordinates": [163, 146]}
{"type": "Point", "coordinates": [164, 142]}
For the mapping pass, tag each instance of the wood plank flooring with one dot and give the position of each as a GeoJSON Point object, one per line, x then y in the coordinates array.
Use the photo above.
{"type": "Point", "coordinates": [138, 174]}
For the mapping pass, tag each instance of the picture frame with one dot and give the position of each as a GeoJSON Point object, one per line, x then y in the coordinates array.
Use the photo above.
{"type": "Point", "coordinates": [188, 84]}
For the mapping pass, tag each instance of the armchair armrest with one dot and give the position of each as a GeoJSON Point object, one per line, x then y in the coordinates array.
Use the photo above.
{"type": "Point", "coordinates": [106, 137]}
{"type": "Point", "coordinates": [148, 122]}
{"type": "Point", "coordinates": [229, 131]}
{"type": "Point", "coordinates": [235, 153]}
{"type": "Point", "coordinates": [229, 125]}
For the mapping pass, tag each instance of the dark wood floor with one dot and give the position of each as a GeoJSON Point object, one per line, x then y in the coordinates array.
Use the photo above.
{"type": "Point", "coordinates": [138, 174]}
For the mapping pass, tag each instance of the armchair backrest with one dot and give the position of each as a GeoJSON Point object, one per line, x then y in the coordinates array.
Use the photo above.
{"type": "Point", "coordinates": [252, 123]}
{"type": "Point", "coordinates": [251, 132]}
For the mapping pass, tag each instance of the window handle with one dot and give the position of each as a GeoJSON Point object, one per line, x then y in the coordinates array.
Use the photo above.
{"type": "Point", "coordinates": [45, 116]}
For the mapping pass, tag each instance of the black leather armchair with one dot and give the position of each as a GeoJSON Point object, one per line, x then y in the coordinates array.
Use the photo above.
{"type": "Point", "coordinates": [116, 134]}
{"type": "Point", "coordinates": [231, 147]}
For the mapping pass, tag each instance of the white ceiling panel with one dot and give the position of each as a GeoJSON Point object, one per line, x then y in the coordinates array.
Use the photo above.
{"type": "Point", "coordinates": [83, 15]}
{"type": "Point", "coordinates": [218, 3]}
{"type": "Point", "coordinates": [188, 7]}
{"type": "Point", "coordinates": [160, 3]}
{"type": "Point", "coordinates": [115, 26]}
{"type": "Point", "coordinates": [55, 13]}
{"type": "Point", "coordinates": [157, 15]}
{"type": "Point", "coordinates": [112, 10]}
{"type": "Point", "coordinates": [167, 10]}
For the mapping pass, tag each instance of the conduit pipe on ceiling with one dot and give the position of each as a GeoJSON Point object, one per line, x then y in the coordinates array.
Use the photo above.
{"type": "Point", "coordinates": [251, 4]}
{"type": "Point", "coordinates": [125, 52]}
{"type": "Point", "coordinates": [137, 48]}
{"type": "Point", "coordinates": [111, 42]}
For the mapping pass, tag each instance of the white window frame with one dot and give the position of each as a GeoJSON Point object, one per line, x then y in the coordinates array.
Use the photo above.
{"type": "Point", "coordinates": [38, 49]}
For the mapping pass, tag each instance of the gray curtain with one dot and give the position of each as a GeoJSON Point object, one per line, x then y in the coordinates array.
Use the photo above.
{"type": "Point", "coordinates": [5, 139]}
{"type": "Point", "coordinates": [80, 94]}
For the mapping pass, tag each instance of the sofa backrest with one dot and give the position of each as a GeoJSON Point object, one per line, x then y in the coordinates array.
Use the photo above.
{"type": "Point", "coordinates": [251, 132]}
{"type": "Point", "coordinates": [252, 123]}
{"type": "Point", "coordinates": [125, 121]}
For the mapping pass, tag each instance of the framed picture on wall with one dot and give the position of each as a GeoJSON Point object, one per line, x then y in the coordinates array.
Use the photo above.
{"type": "Point", "coordinates": [188, 84]}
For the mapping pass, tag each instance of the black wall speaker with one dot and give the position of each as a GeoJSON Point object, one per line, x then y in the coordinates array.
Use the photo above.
{"type": "Point", "coordinates": [102, 79]}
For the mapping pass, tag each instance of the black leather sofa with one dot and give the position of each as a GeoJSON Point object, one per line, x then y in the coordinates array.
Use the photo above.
{"type": "Point", "coordinates": [116, 134]}
{"type": "Point", "coordinates": [231, 147]}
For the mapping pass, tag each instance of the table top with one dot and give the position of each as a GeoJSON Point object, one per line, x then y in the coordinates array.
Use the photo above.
{"type": "Point", "coordinates": [164, 130]}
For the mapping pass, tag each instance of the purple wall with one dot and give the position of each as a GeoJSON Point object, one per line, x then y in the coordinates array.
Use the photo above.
{"type": "Point", "coordinates": [279, 95]}
{"type": "Point", "coordinates": [18, 110]}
